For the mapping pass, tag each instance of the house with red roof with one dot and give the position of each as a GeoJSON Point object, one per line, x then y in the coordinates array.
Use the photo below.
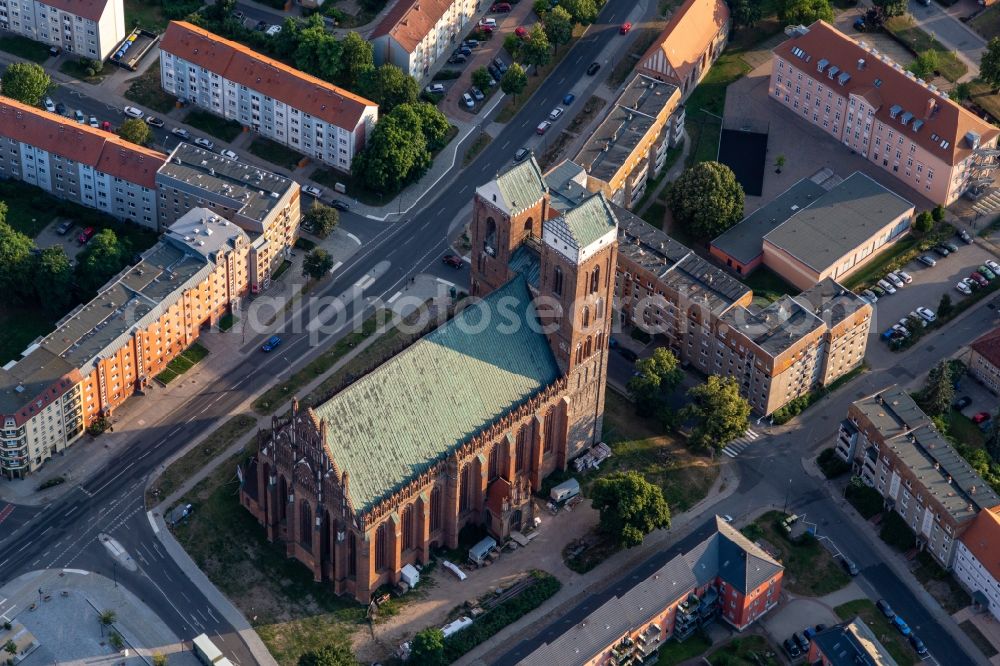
{"type": "Point", "coordinates": [416, 33]}
{"type": "Point", "coordinates": [977, 560]}
{"type": "Point", "coordinates": [88, 28]}
{"type": "Point", "coordinates": [984, 361]}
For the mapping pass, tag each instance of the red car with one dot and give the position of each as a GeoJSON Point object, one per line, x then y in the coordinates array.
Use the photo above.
{"type": "Point", "coordinates": [500, 8]}
{"type": "Point", "coordinates": [981, 417]}
{"type": "Point", "coordinates": [488, 29]}
{"type": "Point", "coordinates": [106, 126]}
{"type": "Point", "coordinates": [626, 27]}
{"type": "Point", "coordinates": [521, 32]}
{"type": "Point", "coordinates": [980, 279]}
{"type": "Point", "coordinates": [453, 260]}
{"type": "Point", "coordinates": [86, 235]}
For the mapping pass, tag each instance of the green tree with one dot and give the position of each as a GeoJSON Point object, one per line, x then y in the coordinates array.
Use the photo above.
{"type": "Point", "coordinates": [706, 199]}
{"type": "Point", "coordinates": [745, 13]}
{"type": "Point", "coordinates": [319, 53]}
{"type": "Point", "coordinates": [961, 92]}
{"type": "Point", "coordinates": [107, 618]}
{"type": "Point", "coordinates": [394, 153]}
{"type": "Point", "coordinates": [136, 131]}
{"type": "Point", "coordinates": [481, 78]}
{"type": "Point", "coordinates": [891, 7]}
{"type": "Point", "coordinates": [631, 507]}
{"type": "Point", "coordinates": [939, 392]}
{"type": "Point", "coordinates": [945, 307]}
{"type": "Point", "coordinates": [26, 82]}
{"type": "Point", "coordinates": [558, 26]}
{"type": "Point", "coordinates": [323, 219]}
{"type": "Point", "coordinates": [428, 647]}
{"type": "Point", "coordinates": [992, 440]}
{"type": "Point", "coordinates": [924, 222]}
{"type": "Point", "coordinates": [358, 57]}
{"type": "Point", "coordinates": [100, 260]}
{"type": "Point", "coordinates": [286, 41]}
{"type": "Point", "coordinates": [655, 377]}
{"type": "Point", "coordinates": [428, 120]}
{"type": "Point", "coordinates": [331, 655]}
{"type": "Point", "coordinates": [938, 213]}
{"type": "Point", "coordinates": [52, 279]}
{"type": "Point", "coordinates": [925, 64]}
{"type": "Point", "coordinates": [541, 8]}
{"type": "Point", "coordinates": [159, 659]}
{"type": "Point", "coordinates": [514, 81]}
{"type": "Point", "coordinates": [779, 163]}
{"type": "Point", "coordinates": [989, 64]}
{"type": "Point", "coordinates": [583, 12]}
{"type": "Point", "coordinates": [317, 264]}
{"type": "Point", "coordinates": [15, 259]}
{"type": "Point", "coordinates": [513, 44]}
{"type": "Point", "coordinates": [805, 12]}
{"type": "Point", "coordinates": [536, 49]}
{"type": "Point", "coordinates": [719, 411]}
{"type": "Point", "coordinates": [389, 86]}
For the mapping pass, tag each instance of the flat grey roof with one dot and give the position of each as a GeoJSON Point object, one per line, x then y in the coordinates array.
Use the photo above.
{"type": "Point", "coordinates": [838, 221]}
{"type": "Point", "coordinates": [744, 242]}
{"type": "Point", "coordinates": [244, 187]}
{"type": "Point", "coordinates": [853, 644]}
{"type": "Point", "coordinates": [831, 301]}
{"type": "Point", "coordinates": [776, 327]}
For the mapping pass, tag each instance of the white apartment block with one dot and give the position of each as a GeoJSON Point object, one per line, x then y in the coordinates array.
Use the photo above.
{"type": "Point", "coordinates": [79, 163]}
{"type": "Point", "coordinates": [310, 116]}
{"type": "Point", "coordinates": [977, 566]}
{"type": "Point", "coordinates": [88, 28]}
{"type": "Point", "coordinates": [417, 32]}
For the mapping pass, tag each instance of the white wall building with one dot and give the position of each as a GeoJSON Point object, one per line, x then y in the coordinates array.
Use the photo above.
{"type": "Point", "coordinates": [977, 560]}
{"type": "Point", "coordinates": [417, 32]}
{"type": "Point", "coordinates": [308, 115]}
{"type": "Point", "coordinates": [89, 28]}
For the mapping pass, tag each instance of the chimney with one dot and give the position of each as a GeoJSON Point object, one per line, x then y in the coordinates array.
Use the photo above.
{"type": "Point", "coordinates": [931, 103]}
{"type": "Point", "coordinates": [972, 490]}
{"type": "Point", "coordinates": [861, 63]}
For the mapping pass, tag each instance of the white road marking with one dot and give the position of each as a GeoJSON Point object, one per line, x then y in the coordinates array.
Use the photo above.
{"type": "Point", "coordinates": [152, 522]}
{"type": "Point", "coordinates": [65, 515]}
{"type": "Point", "coordinates": [445, 282]}
{"type": "Point", "coordinates": [354, 238]}
{"type": "Point", "coordinates": [395, 296]}
{"type": "Point", "coordinates": [336, 266]}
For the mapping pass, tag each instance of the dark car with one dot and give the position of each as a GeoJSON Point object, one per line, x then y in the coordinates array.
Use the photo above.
{"type": "Point", "coordinates": [792, 648]}
{"type": "Point", "coordinates": [951, 246]}
{"type": "Point", "coordinates": [453, 260]}
{"type": "Point", "coordinates": [494, 72]}
{"type": "Point", "coordinates": [568, 98]}
{"type": "Point", "coordinates": [820, 627]}
{"type": "Point", "coordinates": [961, 403]}
{"type": "Point", "coordinates": [901, 625]}
{"type": "Point", "coordinates": [500, 8]}
{"type": "Point", "coordinates": [918, 645]}
{"type": "Point", "coordinates": [849, 566]}
{"type": "Point", "coordinates": [942, 250]}
{"type": "Point", "coordinates": [809, 632]}
{"type": "Point", "coordinates": [521, 154]}
{"type": "Point", "coordinates": [802, 641]}
{"type": "Point", "coordinates": [462, 50]}
{"type": "Point", "coordinates": [261, 26]}
{"type": "Point", "coordinates": [61, 109]}
{"type": "Point", "coordinates": [457, 59]}
{"type": "Point", "coordinates": [64, 227]}
{"type": "Point", "coordinates": [886, 609]}
{"type": "Point", "coordinates": [594, 66]}
{"type": "Point", "coordinates": [859, 24]}
{"type": "Point", "coordinates": [340, 205]}
{"type": "Point", "coordinates": [270, 343]}
{"type": "Point", "coordinates": [627, 354]}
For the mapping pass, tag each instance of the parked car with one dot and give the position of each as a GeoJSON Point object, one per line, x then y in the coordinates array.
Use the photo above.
{"type": "Point", "coordinates": [941, 250]}
{"type": "Point", "coordinates": [54, 51]}
{"type": "Point", "coordinates": [869, 296]}
{"type": "Point", "coordinates": [453, 260]}
{"type": "Point", "coordinates": [961, 403]}
{"type": "Point", "coordinates": [900, 624]}
{"type": "Point", "coordinates": [594, 66]}
{"type": "Point", "coordinates": [435, 88]}
{"type": "Point", "coordinates": [964, 235]}
{"type": "Point", "coordinates": [886, 609]}
{"type": "Point", "coordinates": [61, 108]}
{"type": "Point", "coordinates": [477, 93]}
{"type": "Point", "coordinates": [808, 633]}
{"type": "Point", "coordinates": [970, 283]}
{"type": "Point", "coordinates": [980, 279]}
{"type": "Point", "coordinates": [488, 29]}
{"type": "Point", "coordinates": [462, 50]}
{"type": "Point", "coordinates": [153, 121]}
{"type": "Point", "coordinates": [49, 105]}
{"type": "Point", "coordinates": [500, 8]}
{"type": "Point", "coordinates": [891, 333]}
{"type": "Point", "coordinates": [340, 205]}
{"type": "Point", "coordinates": [457, 59]}
{"type": "Point", "coordinates": [64, 227]}
{"type": "Point", "coordinates": [859, 24]}
{"type": "Point", "coordinates": [270, 343]}
{"type": "Point", "coordinates": [918, 645]}
{"type": "Point", "coordinates": [928, 260]}
{"type": "Point", "coordinates": [628, 354]}
{"type": "Point", "coordinates": [469, 102]}
{"type": "Point", "coordinates": [951, 246]}
{"type": "Point", "coordinates": [494, 71]}
{"type": "Point", "coordinates": [802, 641]}
{"type": "Point", "coordinates": [543, 127]}
{"type": "Point", "coordinates": [202, 142]}
{"type": "Point", "coordinates": [93, 122]}
{"type": "Point", "coordinates": [182, 133]}
{"type": "Point", "coordinates": [312, 191]}
{"type": "Point", "coordinates": [86, 235]}
{"type": "Point", "coordinates": [905, 277]}
{"type": "Point", "coordinates": [239, 16]}
{"type": "Point", "coordinates": [895, 280]}
{"type": "Point", "coordinates": [889, 289]}
{"type": "Point", "coordinates": [902, 330]}
{"type": "Point", "coordinates": [905, 321]}
{"type": "Point", "coordinates": [850, 567]}
{"type": "Point", "coordinates": [791, 648]}
{"type": "Point", "coordinates": [568, 98]}
{"type": "Point", "coordinates": [963, 288]}
{"type": "Point", "coordinates": [981, 417]}
{"type": "Point", "coordinates": [994, 266]}
{"type": "Point", "coordinates": [492, 22]}
{"type": "Point", "coordinates": [726, 517]}
{"type": "Point", "coordinates": [132, 112]}
{"type": "Point", "coordinates": [106, 125]}
{"type": "Point", "coordinates": [471, 43]}
{"type": "Point", "coordinates": [820, 627]}
{"type": "Point", "coordinates": [986, 272]}
{"type": "Point", "coordinates": [555, 113]}
{"type": "Point", "coordinates": [79, 117]}
{"type": "Point", "coordinates": [500, 65]}
{"type": "Point", "coordinates": [230, 154]}
{"type": "Point", "coordinates": [879, 291]}
{"type": "Point", "coordinates": [927, 314]}
{"type": "Point", "coordinates": [626, 28]}
{"type": "Point", "coordinates": [521, 154]}
{"type": "Point", "coordinates": [261, 26]}
{"type": "Point", "coordinates": [521, 32]}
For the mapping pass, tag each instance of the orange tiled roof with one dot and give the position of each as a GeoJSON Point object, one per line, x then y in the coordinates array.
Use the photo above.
{"type": "Point", "coordinates": [983, 539]}
{"type": "Point", "coordinates": [81, 143]}
{"type": "Point", "coordinates": [940, 117]}
{"type": "Point", "coordinates": [688, 34]}
{"type": "Point", "coordinates": [988, 346]}
{"type": "Point", "coordinates": [238, 63]}
{"type": "Point", "coordinates": [88, 9]}
{"type": "Point", "coordinates": [410, 21]}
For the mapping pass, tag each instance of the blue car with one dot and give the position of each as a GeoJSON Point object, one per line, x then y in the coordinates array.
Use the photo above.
{"type": "Point", "coordinates": [568, 99]}
{"type": "Point", "coordinates": [271, 343]}
{"type": "Point", "coordinates": [900, 624]}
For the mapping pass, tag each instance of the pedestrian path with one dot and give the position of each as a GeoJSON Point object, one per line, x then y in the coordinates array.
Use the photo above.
{"type": "Point", "coordinates": [737, 446]}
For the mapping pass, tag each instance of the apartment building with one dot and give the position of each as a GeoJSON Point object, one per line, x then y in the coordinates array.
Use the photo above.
{"type": "Point", "coordinates": [309, 115]}
{"type": "Point", "coordinates": [868, 102]}
{"type": "Point", "coordinates": [848, 644]}
{"type": "Point", "coordinates": [726, 576]}
{"type": "Point", "coordinates": [105, 350]}
{"type": "Point", "coordinates": [689, 45]}
{"type": "Point", "coordinates": [984, 360]}
{"type": "Point", "coordinates": [708, 320]}
{"type": "Point", "coordinates": [416, 33]}
{"type": "Point", "coordinates": [78, 163]}
{"type": "Point", "coordinates": [895, 448]}
{"type": "Point", "coordinates": [977, 560]}
{"type": "Point", "coordinates": [86, 28]}
{"type": "Point", "coordinates": [630, 145]}
{"type": "Point", "coordinates": [262, 203]}
{"type": "Point", "coordinates": [812, 232]}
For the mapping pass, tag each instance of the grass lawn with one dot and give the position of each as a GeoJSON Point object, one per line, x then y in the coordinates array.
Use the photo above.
{"type": "Point", "coordinates": [768, 284]}
{"type": "Point", "coordinates": [893, 641]}
{"type": "Point", "coordinates": [78, 70]}
{"type": "Point", "coordinates": [941, 584]}
{"type": "Point", "coordinates": [976, 636]}
{"type": "Point", "coordinates": [749, 650]}
{"type": "Point", "coordinates": [145, 13]}
{"type": "Point", "coordinates": [987, 24]}
{"type": "Point", "coordinates": [29, 209]}
{"type": "Point", "coordinates": [198, 457]}
{"type": "Point", "coordinates": [25, 48]}
{"type": "Point", "coordinates": [963, 429]}
{"type": "Point", "coordinates": [865, 500]}
{"type": "Point", "coordinates": [477, 147]}
{"type": "Point", "coordinates": [275, 153]}
{"type": "Point", "coordinates": [810, 569]}
{"type": "Point", "coordinates": [673, 653]}
{"type": "Point", "coordinates": [146, 90]}
{"type": "Point", "coordinates": [903, 251]}
{"type": "Point", "coordinates": [217, 126]}
{"type": "Point", "coordinates": [655, 213]}
{"type": "Point", "coordinates": [20, 327]}
{"type": "Point", "coordinates": [905, 31]}
{"type": "Point", "coordinates": [166, 376]}
{"type": "Point", "coordinates": [982, 95]}
{"type": "Point", "coordinates": [536, 77]}
{"type": "Point", "coordinates": [707, 104]}
{"type": "Point", "coordinates": [227, 321]}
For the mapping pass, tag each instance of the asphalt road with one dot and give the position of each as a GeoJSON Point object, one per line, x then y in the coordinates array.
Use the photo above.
{"type": "Point", "coordinates": [64, 533]}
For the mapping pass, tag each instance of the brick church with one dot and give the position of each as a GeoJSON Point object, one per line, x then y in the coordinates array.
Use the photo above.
{"type": "Point", "coordinates": [462, 426]}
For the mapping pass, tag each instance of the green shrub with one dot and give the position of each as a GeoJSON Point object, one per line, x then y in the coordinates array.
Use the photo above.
{"type": "Point", "coordinates": [52, 483]}
{"type": "Point", "coordinates": [897, 533]}
{"type": "Point", "coordinates": [866, 500]}
{"type": "Point", "coordinates": [832, 464]}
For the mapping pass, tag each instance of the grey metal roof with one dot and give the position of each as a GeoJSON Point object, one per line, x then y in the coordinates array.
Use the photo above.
{"type": "Point", "coordinates": [775, 328]}
{"type": "Point", "coordinates": [521, 185]}
{"type": "Point", "coordinates": [831, 301]}
{"type": "Point", "coordinates": [744, 242]}
{"type": "Point", "coordinates": [852, 644]}
{"type": "Point", "coordinates": [526, 261]}
{"type": "Point", "coordinates": [838, 221]}
{"type": "Point", "coordinates": [567, 182]}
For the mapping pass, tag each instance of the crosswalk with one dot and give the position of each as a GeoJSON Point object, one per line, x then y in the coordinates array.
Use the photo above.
{"type": "Point", "coordinates": [735, 447]}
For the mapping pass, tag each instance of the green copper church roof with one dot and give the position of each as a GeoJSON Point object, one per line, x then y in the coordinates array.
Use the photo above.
{"type": "Point", "coordinates": [522, 185]}
{"type": "Point", "coordinates": [413, 410]}
{"type": "Point", "coordinates": [590, 220]}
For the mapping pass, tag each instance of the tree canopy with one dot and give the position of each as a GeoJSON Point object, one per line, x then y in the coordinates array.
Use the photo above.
{"type": "Point", "coordinates": [891, 7]}
{"type": "Point", "coordinates": [15, 258]}
{"type": "Point", "coordinates": [706, 199]}
{"type": "Point", "coordinates": [514, 80]}
{"type": "Point", "coordinates": [989, 63]}
{"type": "Point", "coordinates": [322, 218]}
{"type": "Point", "coordinates": [939, 391]}
{"type": "Point", "coordinates": [558, 26]}
{"type": "Point", "coordinates": [631, 507]}
{"type": "Point", "coordinates": [357, 57]}
{"type": "Point", "coordinates": [399, 149]}
{"type": "Point", "coordinates": [389, 86]}
{"type": "Point", "coordinates": [481, 78]}
{"type": "Point", "coordinates": [26, 82]}
{"type": "Point", "coordinates": [655, 377]}
{"type": "Point", "coordinates": [136, 131]}
{"type": "Point", "coordinates": [719, 412]}
{"type": "Point", "coordinates": [583, 12]}
{"type": "Point", "coordinates": [536, 49]}
{"type": "Point", "coordinates": [332, 655]}
{"type": "Point", "coordinates": [745, 13]}
{"type": "Point", "coordinates": [317, 264]}
{"type": "Point", "coordinates": [805, 12]}
{"type": "Point", "coordinates": [428, 647]}
{"type": "Point", "coordinates": [100, 260]}
{"type": "Point", "coordinates": [52, 278]}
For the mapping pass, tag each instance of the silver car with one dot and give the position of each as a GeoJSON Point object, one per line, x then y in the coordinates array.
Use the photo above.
{"type": "Point", "coordinates": [889, 289]}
